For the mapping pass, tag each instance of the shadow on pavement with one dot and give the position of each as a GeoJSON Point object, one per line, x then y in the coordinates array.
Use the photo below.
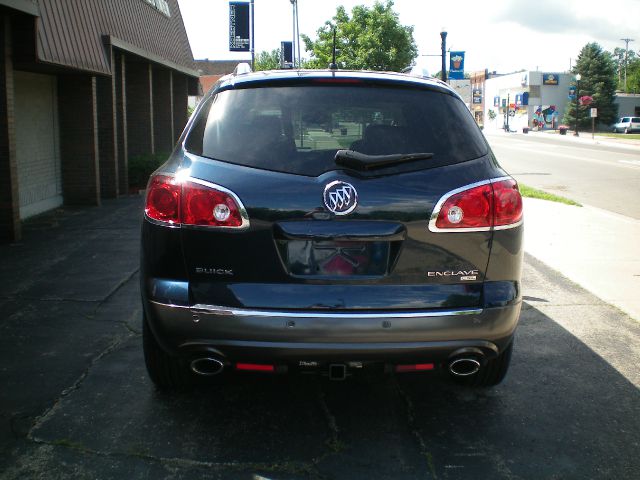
{"type": "Point", "coordinates": [562, 412]}
{"type": "Point", "coordinates": [76, 401]}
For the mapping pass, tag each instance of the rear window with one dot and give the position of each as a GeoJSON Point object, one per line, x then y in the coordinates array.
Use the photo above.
{"type": "Point", "coordinates": [298, 129]}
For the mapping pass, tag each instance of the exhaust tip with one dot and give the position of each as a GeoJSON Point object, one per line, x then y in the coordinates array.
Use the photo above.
{"type": "Point", "coordinates": [207, 366]}
{"type": "Point", "coordinates": [463, 367]}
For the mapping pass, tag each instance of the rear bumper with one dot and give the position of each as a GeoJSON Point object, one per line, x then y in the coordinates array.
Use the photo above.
{"type": "Point", "coordinates": [243, 334]}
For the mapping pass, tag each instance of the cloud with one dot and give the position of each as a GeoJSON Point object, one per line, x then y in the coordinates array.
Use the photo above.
{"type": "Point", "coordinates": [596, 19]}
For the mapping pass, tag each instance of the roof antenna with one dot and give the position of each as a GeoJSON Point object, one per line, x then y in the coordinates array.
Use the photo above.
{"type": "Point", "coordinates": [333, 65]}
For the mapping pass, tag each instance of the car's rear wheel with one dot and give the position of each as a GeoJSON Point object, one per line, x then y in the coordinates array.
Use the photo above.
{"type": "Point", "coordinates": [491, 373]}
{"type": "Point", "coordinates": [166, 371]}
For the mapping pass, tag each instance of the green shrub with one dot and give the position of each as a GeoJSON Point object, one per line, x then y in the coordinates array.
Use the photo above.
{"type": "Point", "coordinates": [142, 166]}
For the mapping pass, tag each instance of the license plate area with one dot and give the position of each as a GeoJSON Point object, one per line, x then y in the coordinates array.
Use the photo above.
{"type": "Point", "coordinates": [330, 258]}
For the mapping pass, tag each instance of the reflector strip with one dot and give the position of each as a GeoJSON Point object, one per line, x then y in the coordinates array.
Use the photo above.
{"type": "Point", "coordinates": [418, 367]}
{"type": "Point", "coordinates": [255, 367]}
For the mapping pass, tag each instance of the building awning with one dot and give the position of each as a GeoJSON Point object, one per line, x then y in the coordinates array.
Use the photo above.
{"type": "Point", "coordinates": [24, 6]}
{"type": "Point", "coordinates": [122, 45]}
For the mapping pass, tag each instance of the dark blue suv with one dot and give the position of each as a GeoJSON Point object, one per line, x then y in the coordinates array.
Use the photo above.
{"type": "Point", "coordinates": [330, 222]}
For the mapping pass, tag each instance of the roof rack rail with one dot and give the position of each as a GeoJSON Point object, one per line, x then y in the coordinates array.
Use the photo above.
{"type": "Point", "coordinates": [241, 69]}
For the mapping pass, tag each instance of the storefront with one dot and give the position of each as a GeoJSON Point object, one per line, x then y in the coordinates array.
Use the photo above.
{"type": "Point", "coordinates": [530, 99]}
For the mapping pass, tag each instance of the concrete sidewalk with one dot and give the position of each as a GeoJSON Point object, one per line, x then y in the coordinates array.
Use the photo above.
{"type": "Point", "coordinates": [597, 249]}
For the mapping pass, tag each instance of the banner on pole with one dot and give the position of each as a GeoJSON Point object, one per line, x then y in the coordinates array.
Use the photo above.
{"type": "Point", "coordinates": [286, 54]}
{"type": "Point", "coordinates": [239, 36]}
{"type": "Point", "coordinates": [456, 65]}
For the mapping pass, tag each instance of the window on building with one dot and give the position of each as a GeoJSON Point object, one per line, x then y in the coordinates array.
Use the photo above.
{"type": "Point", "coordinates": [160, 5]}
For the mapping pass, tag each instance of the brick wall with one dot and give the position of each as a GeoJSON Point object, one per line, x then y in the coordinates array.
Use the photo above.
{"type": "Point", "coordinates": [180, 99]}
{"type": "Point", "coordinates": [139, 88]}
{"type": "Point", "coordinates": [79, 139]}
{"type": "Point", "coordinates": [9, 206]}
{"type": "Point", "coordinates": [162, 110]}
{"type": "Point", "coordinates": [119, 71]}
{"type": "Point", "coordinates": [108, 135]}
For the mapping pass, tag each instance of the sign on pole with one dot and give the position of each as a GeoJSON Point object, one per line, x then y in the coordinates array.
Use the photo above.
{"type": "Point", "coordinates": [594, 112]}
{"type": "Point", "coordinates": [239, 37]}
{"type": "Point", "coordinates": [286, 54]}
{"type": "Point", "coordinates": [456, 65]}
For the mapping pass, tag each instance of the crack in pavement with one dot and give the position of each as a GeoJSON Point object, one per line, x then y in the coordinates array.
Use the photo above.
{"type": "Point", "coordinates": [287, 467]}
{"type": "Point", "coordinates": [49, 412]}
{"type": "Point", "coordinates": [334, 443]}
{"type": "Point", "coordinates": [411, 422]}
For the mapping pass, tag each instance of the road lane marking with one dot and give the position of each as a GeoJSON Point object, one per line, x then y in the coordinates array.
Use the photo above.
{"type": "Point", "coordinates": [573, 157]}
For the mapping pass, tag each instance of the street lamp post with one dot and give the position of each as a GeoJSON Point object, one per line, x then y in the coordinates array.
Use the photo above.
{"type": "Point", "coordinates": [443, 74]}
{"type": "Point", "coordinates": [578, 77]}
{"type": "Point", "coordinates": [253, 49]}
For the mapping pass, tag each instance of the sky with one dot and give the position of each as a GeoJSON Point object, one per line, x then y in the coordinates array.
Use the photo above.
{"type": "Point", "coordinates": [499, 35]}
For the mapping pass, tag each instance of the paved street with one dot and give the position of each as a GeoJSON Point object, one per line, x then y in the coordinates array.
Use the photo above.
{"type": "Point", "coordinates": [603, 176]}
{"type": "Point", "coordinates": [76, 401]}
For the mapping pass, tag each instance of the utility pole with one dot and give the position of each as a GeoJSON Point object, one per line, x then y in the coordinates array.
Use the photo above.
{"type": "Point", "coordinates": [298, 37]}
{"type": "Point", "coordinates": [296, 34]}
{"type": "Point", "coordinates": [626, 58]}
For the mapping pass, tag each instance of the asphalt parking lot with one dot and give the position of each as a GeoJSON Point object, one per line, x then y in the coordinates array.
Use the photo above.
{"type": "Point", "coordinates": [75, 401]}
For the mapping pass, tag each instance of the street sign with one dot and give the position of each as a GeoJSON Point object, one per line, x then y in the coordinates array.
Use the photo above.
{"type": "Point", "coordinates": [594, 112]}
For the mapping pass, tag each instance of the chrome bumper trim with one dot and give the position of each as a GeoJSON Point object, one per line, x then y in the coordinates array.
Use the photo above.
{"type": "Point", "coordinates": [246, 312]}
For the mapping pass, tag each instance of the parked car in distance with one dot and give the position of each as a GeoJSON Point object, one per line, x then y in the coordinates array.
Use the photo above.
{"type": "Point", "coordinates": [330, 222]}
{"type": "Point", "coordinates": [627, 125]}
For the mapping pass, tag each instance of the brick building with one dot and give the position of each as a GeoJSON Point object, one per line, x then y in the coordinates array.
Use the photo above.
{"type": "Point", "coordinates": [210, 72]}
{"type": "Point", "coordinates": [85, 85]}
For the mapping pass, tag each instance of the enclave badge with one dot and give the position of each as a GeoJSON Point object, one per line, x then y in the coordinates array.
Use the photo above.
{"type": "Point", "coordinates": [340, 197]}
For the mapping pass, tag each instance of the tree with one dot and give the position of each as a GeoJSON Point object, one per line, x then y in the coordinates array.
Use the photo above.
{"type": "Point", "coordinates": [633, 76]}
{"type": "Point", "coordinates": [598, 72]}
{"type": "Point", "coordinates": [623, 59]}
{"type": "Point", "coordinates": [267, 60]}
{"type": "Point", "coordinates": [371, 39]}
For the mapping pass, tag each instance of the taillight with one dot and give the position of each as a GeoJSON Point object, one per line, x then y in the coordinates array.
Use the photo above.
{"type": "Point", "coordinates": [479, 207]}
{"type": "Point", "coordinates": [193, 202]}
{"type": "Point", "coordinates": [206, 206]}
{"type": "Point", "coordinates": [508, 203]}
{"type": "Point", "coordinates": [163, 199]}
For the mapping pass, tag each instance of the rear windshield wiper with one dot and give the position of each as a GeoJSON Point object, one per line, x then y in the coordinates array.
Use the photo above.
{"type": "Point", "coordinates": [362, 161]}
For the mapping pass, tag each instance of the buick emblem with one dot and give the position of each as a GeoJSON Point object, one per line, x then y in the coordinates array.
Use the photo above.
{"type": "Point", "coordinates": [340, 198]}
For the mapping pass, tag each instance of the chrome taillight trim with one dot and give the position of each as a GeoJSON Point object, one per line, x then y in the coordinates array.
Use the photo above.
{"type": "Point", "coordinates": [243, 211]}
{"type": "Point", "coordinates": [446, 196]}
{"type": "Point", "coordinates": [246, 312]}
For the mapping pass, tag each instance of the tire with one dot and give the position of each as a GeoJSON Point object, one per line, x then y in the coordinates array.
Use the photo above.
{"type": "Point", "coordinates": [166, 371]}
{"type": "Point", "coordinates": [626, 130]}
{"type": "Point", "coordinates": [492, 373]}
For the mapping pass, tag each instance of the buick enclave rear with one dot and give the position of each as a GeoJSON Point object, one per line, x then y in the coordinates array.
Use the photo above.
{"type": "Point", "coordinates": [330, 222]}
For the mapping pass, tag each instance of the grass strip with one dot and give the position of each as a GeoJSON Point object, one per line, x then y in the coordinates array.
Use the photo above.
{"type": "Point", "coordinates": [626, 136]}
{"type": "Point", "coordinates": [530, 192]}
